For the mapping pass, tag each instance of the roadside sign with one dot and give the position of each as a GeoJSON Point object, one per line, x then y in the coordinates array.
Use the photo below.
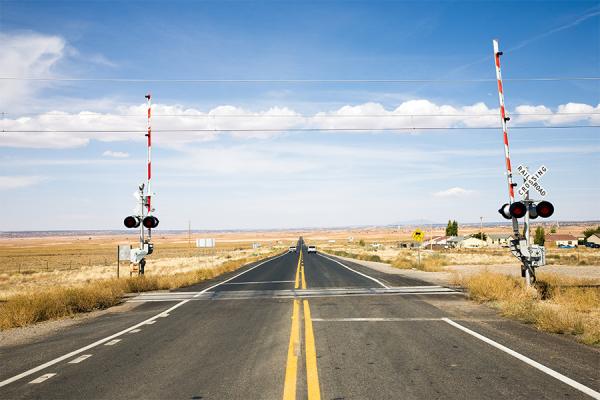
{"type": "Point", "coordinates": [205, 242]}
{"type": "Point", "coordinates": [532, 181]}
{"type": "Point", "coordinates": [124, 251]}
{"type": "Point", "coordinates": [418, 235]}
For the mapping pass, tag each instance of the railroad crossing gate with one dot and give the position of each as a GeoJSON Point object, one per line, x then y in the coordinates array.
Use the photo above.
{"type": "Point", "coordinates": [418, 235]}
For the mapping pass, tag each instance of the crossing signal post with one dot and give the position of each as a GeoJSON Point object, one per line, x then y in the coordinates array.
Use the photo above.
{"type": "Point", "coordinates": [143, 218]}
{"type": "Point", "coordinates": [530, 255]}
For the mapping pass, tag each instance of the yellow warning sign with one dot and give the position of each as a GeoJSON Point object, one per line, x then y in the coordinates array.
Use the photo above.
{"type": "Point", "coordinates": [418, 235]}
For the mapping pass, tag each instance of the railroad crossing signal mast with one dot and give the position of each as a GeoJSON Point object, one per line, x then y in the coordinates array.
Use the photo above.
{"type": "Point", "coordinates": [143, 210]}
{"type": "Point", "coordinates": [530, 255]}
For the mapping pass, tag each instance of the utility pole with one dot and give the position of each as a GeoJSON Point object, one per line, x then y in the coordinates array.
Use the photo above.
{"type": "Point", "coordinates": [481, 228]}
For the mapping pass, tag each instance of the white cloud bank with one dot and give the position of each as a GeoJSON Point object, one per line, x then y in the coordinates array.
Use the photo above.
{"type": "Point", "coordinates": [32, 54]}
{"type": "Point", "coordinates": [26, 55]}
{"type": "Point", "coordinates": [115, 154]}
{"type": "Point", "coordinates": [17, 182]}
{"type": "Point", "coordinates": [454, 192]}
{"type": "Point", "coordinates": [176, 125]}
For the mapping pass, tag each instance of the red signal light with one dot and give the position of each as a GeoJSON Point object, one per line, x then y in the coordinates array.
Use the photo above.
{"type": "Point", "coordinates": [517, 209]}
{"type": "Point", "coordinates": [544, 209]}
{"type": "Point", "coordinates": [150, 222]}
{"type": "Point", "coordinates": [131, 221]}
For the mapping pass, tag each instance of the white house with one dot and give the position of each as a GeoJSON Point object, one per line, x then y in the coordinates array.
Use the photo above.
{"type": "Point", "coordinates": [436, 241]}
{"type": "Point", "coordinates": [454, 241]}
{"type": "Point", "coordinates": [557, 239]}
{"type": "Point", "coordinates": [595, 238]}
{"type": "Point", "coordinates": [472, 243]}
{"type": "Point", "coordinates": [499, 240]}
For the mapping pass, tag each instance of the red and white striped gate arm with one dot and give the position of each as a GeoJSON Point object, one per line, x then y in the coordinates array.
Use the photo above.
{"type": "Point", "coordinates": [149, 135]}
{"type": "Point", "coordinates": [511, 189]}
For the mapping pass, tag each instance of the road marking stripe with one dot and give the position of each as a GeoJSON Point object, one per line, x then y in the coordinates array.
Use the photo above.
{"type": "Point", "coordinates": [527, 360]}
{"type": "Point", "coordinates": [112, 342]}
{"type": "Point", "coordinates": [291, 369]}
{"type": "Point", "coordinates": [43, 378]}
{"type": "Point", "coordinates": [303, 278]}
{"type": "Point", "coordinates": [115, 335]}
{"type": "Point", "coordinates": [134, 330]}
{"type": "Point", "coordinates": [256, 283]}
{"type": "Point", "coordinates": [153, 321]}
{"type": "Point", "coordinates": [312, 373]}
{"type": "Point", "coordinates": [241, 273]}
{"type": "Point", "coordinates": [374, 319]}
{"type": "Point", "coordinates": [297, 281]}
{"type": "Point", "coordinates": [80, 359]}
{"type": "Point", "coordinates": [359, 273]}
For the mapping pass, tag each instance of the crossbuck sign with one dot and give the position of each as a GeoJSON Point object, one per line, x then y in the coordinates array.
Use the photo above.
{"type": "Point", "coordinates": [532, 181]}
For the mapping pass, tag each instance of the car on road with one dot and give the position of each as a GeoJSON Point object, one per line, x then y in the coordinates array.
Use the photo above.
{"type": "Point", "coordinates": [312, 249]}
{"type": "Point", "coordinates": [292, 249]}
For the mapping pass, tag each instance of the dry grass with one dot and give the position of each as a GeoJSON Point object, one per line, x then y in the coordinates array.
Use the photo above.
{"type": "Point", "coordinates": [52, 303]}
{"type": "Point", "coordinates": [364, 257]}
{"type": "Point", "coordinates": [559, 305]}
{"type": "Point", "coordinates": [429, 262]}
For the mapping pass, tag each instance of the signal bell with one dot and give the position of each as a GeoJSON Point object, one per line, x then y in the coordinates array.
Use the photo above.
{"type": "Point", "coordinates": [132, 221]}
{"type": "Point", "coordinates": [150, 222]}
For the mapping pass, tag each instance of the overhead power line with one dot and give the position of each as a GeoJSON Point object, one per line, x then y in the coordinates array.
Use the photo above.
{"type": "Point", "coordinates": [296, 81]}
{"type": "Point", "coordinates": [417, 128]}
{"type": "Point", "coordinates": [212, 116]}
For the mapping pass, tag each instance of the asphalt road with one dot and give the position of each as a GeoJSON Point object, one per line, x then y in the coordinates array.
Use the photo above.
{"type": "Point", "coordinates": [301, 326]}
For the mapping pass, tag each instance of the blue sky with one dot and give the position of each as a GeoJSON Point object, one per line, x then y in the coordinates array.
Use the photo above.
{"type": "Point", "coordinates": [224, 180]}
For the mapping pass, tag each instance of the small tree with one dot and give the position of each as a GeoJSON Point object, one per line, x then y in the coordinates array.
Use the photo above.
{"type": "Point", "coordinates": [480, 235]}
{"type": "Point", "coordinates": [454, 228]}
{"type": "Point", "coordinates": [553, 229]}
{"type": "Point", "coordinates": [540, 236]}
{"type": "Point", "coordinates": [449, 228]}
{"type": "Point", "coordinates": [589, 232]}
{"type": "Point", "coordinates": [361, 243]}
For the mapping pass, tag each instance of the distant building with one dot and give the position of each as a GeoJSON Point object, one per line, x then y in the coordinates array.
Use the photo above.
{"type": "Point", "coordinates": [499, 240]}
{"type": "Point", "coordinates": [453, 241]}
{"type": "Point", "coordinates": [595, 238]}
{"type": "Point", "coordinates": [472, 243]}
{"type": "Point", "coordinates": [557, 239]}
{"type": "Point", "coordinates": [436, 242]}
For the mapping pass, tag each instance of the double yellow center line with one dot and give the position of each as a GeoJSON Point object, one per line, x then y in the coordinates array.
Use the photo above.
{"type": "Point", "coordinates": [295, 349]}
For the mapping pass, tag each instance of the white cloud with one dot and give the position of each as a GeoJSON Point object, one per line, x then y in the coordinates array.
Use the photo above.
{"type": "Point", "coordinates": [177, 126]}
{"type": "Point", "coordinates": [26, 55]}
{"type": "Point", "coordinates": [454, 192]}
{"type": "Point", "coordinates": [16, 182]}
{"type": "Point", "coordinates": [115, 154]}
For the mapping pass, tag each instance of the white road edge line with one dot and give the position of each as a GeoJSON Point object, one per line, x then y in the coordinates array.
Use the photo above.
{"type": "Point", "coordinates": [527, 360]}
{"type": "Point", "coordinates": [256, 283]}
{"type": "Point", "coordinates": [80, 359]}
{"type": "Point", "coordinates": [43, 378]}
{"type": "Point", "coordinates": [373, 319]}
{"type": "Point", "coordinates": [115, 335]}
{"type": "Point", "coordinates": [359, 273]}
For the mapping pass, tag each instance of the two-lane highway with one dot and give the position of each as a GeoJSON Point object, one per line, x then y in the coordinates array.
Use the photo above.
{"type": "Point", "coordinates": [301, 326]}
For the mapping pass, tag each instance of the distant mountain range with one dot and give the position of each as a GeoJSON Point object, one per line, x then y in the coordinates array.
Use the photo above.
{"type": "Point", "coordinates": [407, 223]}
